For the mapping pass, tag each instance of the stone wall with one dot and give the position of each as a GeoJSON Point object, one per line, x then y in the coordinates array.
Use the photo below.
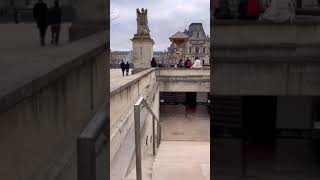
{"type": "Point", "coordinates": [122, 101]}
{"type": "Point", "coordinates": [38, 133]}
{"type": "Point", "coordinates": [260, 58]}
{"type": "Point", "coordinates": [122, 142]}
{"type": "Point", "coordinates": [184, 80]}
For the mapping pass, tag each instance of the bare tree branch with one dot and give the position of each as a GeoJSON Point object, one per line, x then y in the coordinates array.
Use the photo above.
{"type": "Point", "coordinates": [114, 14]}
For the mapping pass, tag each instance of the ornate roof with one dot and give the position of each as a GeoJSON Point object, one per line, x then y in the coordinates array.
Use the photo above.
{"type": "Point", "coordinates": [195, 27]}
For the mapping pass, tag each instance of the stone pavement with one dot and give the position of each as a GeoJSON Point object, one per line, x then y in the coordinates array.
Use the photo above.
{"type": "Point", "coordinates": [23, 39]}
{"type": "Point", "coordinates": [176, 126]}
{"type": "Point", "coordinates": [117, 80]}
{"type": "Point", "coordinates": [184, 152]}
{"type": "Point", "coordinates": [23, 59]}
{"type": "Point", "coordinates": [22, 55]}
{"type": "Point", "coordinates": [187, 160]}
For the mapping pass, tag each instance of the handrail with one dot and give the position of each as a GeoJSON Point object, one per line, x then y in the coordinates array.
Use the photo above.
{"type": "Point", "coordinates": [86, 145]}
{"type": "Point", "coordinates": [137, 105]}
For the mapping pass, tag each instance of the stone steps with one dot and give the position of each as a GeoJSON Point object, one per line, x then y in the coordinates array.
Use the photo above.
{"type": "Point", "coordinates": [187, 160]}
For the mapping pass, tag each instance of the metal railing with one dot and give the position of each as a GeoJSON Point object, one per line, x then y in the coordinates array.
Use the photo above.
{"type": "Point", "coordinates": [86, 146]}
{"type": "Point", "coordinates": [137, 107]}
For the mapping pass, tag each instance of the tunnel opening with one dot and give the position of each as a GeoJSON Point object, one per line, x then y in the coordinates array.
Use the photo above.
{"type": "Point", "coordinates": [185, 116]}
{"type": "Point", "coordinates": [259, 118]}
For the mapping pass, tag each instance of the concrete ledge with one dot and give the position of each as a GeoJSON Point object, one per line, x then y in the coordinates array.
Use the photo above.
{"type": "Point", "coordinates": [84, 29]}
{"type": "Point", "coordinates": [122, 98]}
{"type": "Point", "coordinates": [184, 79]}
{"type": "Point", "coordinates": [244, 33]}
{"type": "Point", "coordinates": [70, 57]}
{"type": "Point", "coordinates": [136, 77]}
{"type": "Point", "coordinates": [293, 60]}
{"type": "Point", "coordinates": [217, 22]}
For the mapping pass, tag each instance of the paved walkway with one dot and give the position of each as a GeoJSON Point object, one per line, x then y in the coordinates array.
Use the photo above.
{"type": "Point", "coordinates": [23, 59]}
{"type": "Point", "coordinates": [176, 126]}
{"type": "Point", "coordinates": [184, 152]}
{"type": "Point", "coordinates": [116, 78]}
{"type": "Point", "coordinates": [187, 160]}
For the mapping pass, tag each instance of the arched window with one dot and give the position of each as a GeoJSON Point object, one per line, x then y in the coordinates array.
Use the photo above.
{"type": "Point", "coordinates": [204, 50]}
{"type": "Point", "coordinates": [197, 34]}
{"type": "Point", "coordinates": [197, 49]}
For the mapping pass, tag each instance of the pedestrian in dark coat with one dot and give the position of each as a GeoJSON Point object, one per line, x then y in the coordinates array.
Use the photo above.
{"type": "Point", "coordinates": [127, 68]}
{"type": "Point", "coordinates": [40, 14]}
{"type": "Point", "coordinates": [55, 22]}
{"type": "Point", "coordinates": [123, 67]}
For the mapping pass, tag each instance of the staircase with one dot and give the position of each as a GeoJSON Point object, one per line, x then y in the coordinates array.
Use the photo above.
{"type": "Point", "coordinates": [185, 160]}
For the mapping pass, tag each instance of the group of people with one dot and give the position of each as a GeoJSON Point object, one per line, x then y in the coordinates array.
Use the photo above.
{"type": "Point", "coordinates": [187, 64]}
{"type": "Point", "coordinates": [275, 10]}
{"type": "Point", "coordinates": [125, 67]}
{"type": "Point", "coordinates": [45, 17]}
{"type": "Point", "coordinates": [247, 9]}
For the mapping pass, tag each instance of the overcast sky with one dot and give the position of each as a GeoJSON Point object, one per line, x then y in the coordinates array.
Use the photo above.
{"type": "Point", "coordinates": [165, 17]}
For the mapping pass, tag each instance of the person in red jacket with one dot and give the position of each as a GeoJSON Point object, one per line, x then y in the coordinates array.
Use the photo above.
{"type": "Point", "coordinates": [253, 9]}
{"type": "Point", "coordinates": [188, 63]}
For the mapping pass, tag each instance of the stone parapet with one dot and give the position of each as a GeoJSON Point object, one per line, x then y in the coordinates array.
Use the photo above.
{"type": "Point", "coordinates": [123, 96]}
{"type": "Point", "coordinates": [184, 79]}
{"type": "Point", "coordinates": [45, 106]}
{"type": "Point", "coordinates": [245, 33]}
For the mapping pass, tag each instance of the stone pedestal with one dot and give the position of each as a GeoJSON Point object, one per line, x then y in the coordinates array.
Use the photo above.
{"type": "Point", "coordinates": [142, 52]}
{"type": "Point", "coordinates": [90, 17]}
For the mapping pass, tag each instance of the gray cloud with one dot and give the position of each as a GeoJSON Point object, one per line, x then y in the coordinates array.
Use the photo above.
{"type": "Point", "coordinates": [165, 18]}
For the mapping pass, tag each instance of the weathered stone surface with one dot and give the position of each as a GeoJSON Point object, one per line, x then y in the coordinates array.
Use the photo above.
{"type": "Point", "coordinates": [90, 17]}
{"type": "Point", "coordinates": [124, 94]}
{"type": "Point", "coordinates": [184, 80]}
{"type": "Point", "coordinates": [50, 98]}
{"type": "Point", "coordinates": [259, 58]}
{"type": "Point", "coordinates": [142, 44]}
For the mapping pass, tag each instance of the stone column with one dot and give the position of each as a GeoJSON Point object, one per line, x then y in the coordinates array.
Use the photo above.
{"type": "Point", "coordinates": [90, 17]}
{"type": "Point", "coordinates": [142, 52]}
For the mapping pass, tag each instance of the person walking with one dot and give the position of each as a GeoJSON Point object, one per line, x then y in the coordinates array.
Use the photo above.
{"type": "Point", "coordinates": [40, 14]}
{"type": "Point", "coordinates": [127, 68]}
{"type": "Point", "coordinates": [55, 21]}
{"type": "Point", "coordinates": [123, 67]}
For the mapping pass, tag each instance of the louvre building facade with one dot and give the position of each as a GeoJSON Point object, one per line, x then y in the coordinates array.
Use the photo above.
{"type": "Point", "coordinates": [198, 44]}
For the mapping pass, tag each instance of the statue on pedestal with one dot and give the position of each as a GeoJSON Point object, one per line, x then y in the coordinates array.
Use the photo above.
{"type": "Point", "coordinates": [142, 22]}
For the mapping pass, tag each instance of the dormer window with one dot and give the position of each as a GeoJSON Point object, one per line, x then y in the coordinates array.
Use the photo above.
{"type": "Point", "coordinates": [198, 34]}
